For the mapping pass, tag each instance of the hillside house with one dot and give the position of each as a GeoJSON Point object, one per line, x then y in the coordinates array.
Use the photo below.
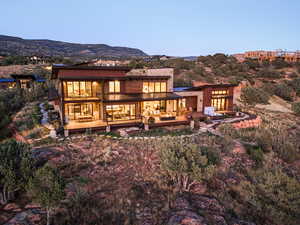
{"type": "Point", "coordinates": [100, 96]}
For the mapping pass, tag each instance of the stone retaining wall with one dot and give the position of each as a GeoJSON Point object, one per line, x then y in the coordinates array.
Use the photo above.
{"type": "Point", "coordinates": [248, 123]}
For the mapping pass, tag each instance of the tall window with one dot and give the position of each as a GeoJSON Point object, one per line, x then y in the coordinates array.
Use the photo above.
{"type": "Point", "coordinates": [114, 86]}
{"type": "Point", "coordinates": [220, 100]}
{"type": "Point", "coordinates": [154, 87]}
{"type": "Point", "coordinates": [79, 89]}
{"type": "Point", "coordinates": [79, 111]}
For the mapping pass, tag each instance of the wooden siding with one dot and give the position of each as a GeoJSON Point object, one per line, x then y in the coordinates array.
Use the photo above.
{"type": "Point", "coordinates": [207, 95]}
{"type": "Point", "coordinates": [191, 102]}
{"type": "Point", "coordinates": [132, 86]}
{"type": "Point", "coordinates": [91, 73]}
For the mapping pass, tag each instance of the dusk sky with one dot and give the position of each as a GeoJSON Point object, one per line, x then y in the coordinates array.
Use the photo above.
{"type": "Point", "coordinates": [179, 28]}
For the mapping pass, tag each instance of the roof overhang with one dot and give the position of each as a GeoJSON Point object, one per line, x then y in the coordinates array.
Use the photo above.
{"type": "Point", "coordinates": [109, 98]}
{"type": "Point", "coordinates": [23, 76]}
{"type": "Point", "coordinates": [127, 77]}
{"type": "Point", "coordinates": [199, 88]}
{"type": "Point", "coordinates": [56, 68]}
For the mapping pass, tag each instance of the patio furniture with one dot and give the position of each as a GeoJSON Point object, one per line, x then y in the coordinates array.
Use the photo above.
{"type": "Point", "coordinates": [86, 118]}
{"type": "Point", "coordinates": [167, 117]}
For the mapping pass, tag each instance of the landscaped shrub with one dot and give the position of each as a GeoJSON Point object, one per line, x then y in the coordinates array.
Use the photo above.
{"type": "Point", "coordinates": [296, 108]}
{"type": "Point", "coordinates": [151, 120]}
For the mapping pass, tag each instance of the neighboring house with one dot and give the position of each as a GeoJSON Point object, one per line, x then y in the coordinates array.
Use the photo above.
{"type": "Point", "coordinates": [24, 81]}
{"type": "Point", "coordinates": [99, 97]}
{"type": "Point", "coordinates": [273, 55]}
{"type": "Point", "coordinates": [6, 83]}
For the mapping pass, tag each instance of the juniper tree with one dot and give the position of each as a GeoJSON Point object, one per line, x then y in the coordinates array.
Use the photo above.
{"type": "Point", "coordinates": [185, 164]}
{"type": "Point", "coordinates": [47, 189]}
{"type": "Point", "coordinates": [16, 166]}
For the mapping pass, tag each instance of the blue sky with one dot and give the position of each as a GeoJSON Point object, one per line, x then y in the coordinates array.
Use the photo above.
{"type": "Point", "coordinates": [172, 27]}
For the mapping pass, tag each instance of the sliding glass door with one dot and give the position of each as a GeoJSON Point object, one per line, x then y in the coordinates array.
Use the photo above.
{"type": "Point", "coordinates": [120, 112]}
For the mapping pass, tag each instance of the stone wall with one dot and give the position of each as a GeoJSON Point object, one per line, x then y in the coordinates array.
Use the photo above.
{"type": "Point", "coordinates": [248, 123]}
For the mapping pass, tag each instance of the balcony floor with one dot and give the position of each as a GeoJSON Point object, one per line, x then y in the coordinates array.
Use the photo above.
{"type": "Point", "coordinates": [73, 125]}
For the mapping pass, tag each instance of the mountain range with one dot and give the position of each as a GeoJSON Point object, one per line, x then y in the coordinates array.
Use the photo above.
{"type": "Point", "coordinates": [27, 47]}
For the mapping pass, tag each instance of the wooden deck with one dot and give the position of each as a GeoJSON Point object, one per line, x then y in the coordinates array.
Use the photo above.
{"type": "Point", "coordinates": [100, 125]}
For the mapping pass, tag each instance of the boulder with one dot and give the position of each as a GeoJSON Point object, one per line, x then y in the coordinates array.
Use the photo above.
{"type": "Point", "coordinates": [185, 217]}
{"type": "Point", "coordinates": [208, 204]}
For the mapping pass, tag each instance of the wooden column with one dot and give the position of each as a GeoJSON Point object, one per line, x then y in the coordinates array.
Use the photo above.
{"type": "Point", "coordinates": [62, 102]}
{"type": "Point", "coordinates": [177, 107]}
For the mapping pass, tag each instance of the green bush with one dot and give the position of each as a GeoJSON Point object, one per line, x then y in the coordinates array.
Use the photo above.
{"type": "Point", "coordinates": [151, 120]}
{"type": "Point", "coordinates": [296, 108]}
{"type": "Point", "coordinates": [284, 91]}
{"type": "Point", "coordinates": [256, 154]}
{"type": "Point", "coordinates": [267, 73]}
{"type": "Point", "coordinates": [212, 154]}
{"type": "Point", "coordinates": [295, 84]}
{"type": "Point", "coordinates": [16, 166]}
{"type": "Point", "coordinates": [253, 96]}
{"type": "Point", "coordinates": [185, 163]}
{"type": "Point", "coordinates": [271, 197]}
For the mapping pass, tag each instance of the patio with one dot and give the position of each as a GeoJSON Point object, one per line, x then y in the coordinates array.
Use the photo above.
{"type": "Point", "coordinates": [74, 125]}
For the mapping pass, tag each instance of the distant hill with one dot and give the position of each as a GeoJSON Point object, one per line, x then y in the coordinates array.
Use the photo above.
{"type": "Point", "coordinates": [26, 47]}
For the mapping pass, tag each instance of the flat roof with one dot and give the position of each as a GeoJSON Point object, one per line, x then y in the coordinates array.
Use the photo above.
{"type": "Point", "coordinates": [199, 88]}
{"type": "Point", "coordinates": [5, 80]}
{"type": "Point", "coordinates": [56, 68]}
{"type": "Point", "coordinates": [24, 76]}
{"type": "Point", "coordinates": [126, 77]}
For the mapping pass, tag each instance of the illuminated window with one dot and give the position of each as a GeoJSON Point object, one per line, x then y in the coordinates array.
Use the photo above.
{"type": "Point", "coordinates": [182, 103]}
{"type": "Point", "coordinates": [163, 87]}
{"type": "Point", "coordinates": [150, 108]}
{"type": "Point", "coordinates": [154, 87]}
{"type": "Point", "coordinates": [78, 89]}
{"type": "Point", "coordinates": [114, 86]}
{"type": "Point", "coordinates": [157, 87]}
{"type": "Point", "coordinates": [120, 112]}
{"type": "Point", "coordinates": [79, 111]}
{"type": "Point", "coordinates": [220, 100]}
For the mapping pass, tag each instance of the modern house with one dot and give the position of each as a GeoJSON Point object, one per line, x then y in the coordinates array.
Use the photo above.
{"type": "Point", "coordinates": [23, 81]}
{"type": "Point", "coordinates": [6, 83]}
{"type": "Point", "coordinates": [98, 97]}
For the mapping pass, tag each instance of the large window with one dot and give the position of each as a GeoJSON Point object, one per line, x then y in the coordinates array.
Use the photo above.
{"type": "Point", "coordinates": [120, 112]}
{"type": "Point", "coordinates": [80, 112]}
{"type": "Point", "coordinates": [220, 100]}
{"type": "Point", "coordinates": [153, 107]}
{"type": "Point", "coordinates": [79, 89]}
{"type": "Point", "coordinates": [25, 84]}
{"type": "Point", "coordinates": [152, 87]}
{"type": "Point", "coordinates": [114, 86]}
